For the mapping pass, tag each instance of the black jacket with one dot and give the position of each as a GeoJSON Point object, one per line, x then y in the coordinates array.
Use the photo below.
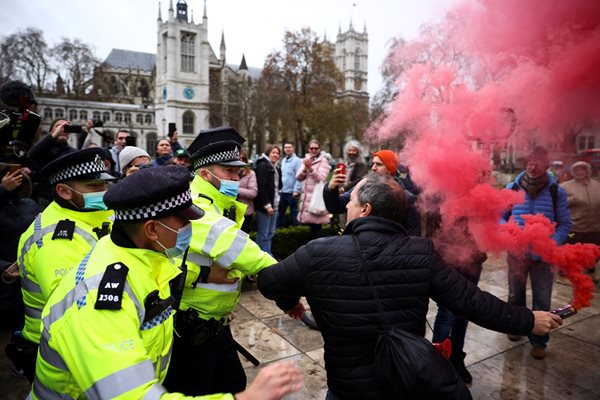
{"type": "Point", "coordinates": [406, 272]}
{"type": "Point", "coordinates": [265, 180]}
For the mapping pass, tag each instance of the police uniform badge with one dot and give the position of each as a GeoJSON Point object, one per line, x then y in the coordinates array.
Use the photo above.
{"type": "Point", "coordinates": [112, 285]}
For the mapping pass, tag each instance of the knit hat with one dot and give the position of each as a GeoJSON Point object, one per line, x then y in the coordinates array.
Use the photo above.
{"type": "Point", "coordinates": [389, 159]}
{"type": "Point", "coordinates": [582, 164]}
{"type": "Point", "coordinates": [130, 153]}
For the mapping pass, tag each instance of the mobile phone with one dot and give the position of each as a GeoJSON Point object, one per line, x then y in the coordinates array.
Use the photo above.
{"type": "Point", "coordinates": [130, 141]}
{"type": "Point", "coordinates": [172, 128]}
{"type": "Point", "coordinates": [72, 129]}
{"type": "Point", "coordinates": [341, 167]}
{"type": "Point", "coordinates": [565, 311]}
{"type": "Point", "coordinates": [13, 167]}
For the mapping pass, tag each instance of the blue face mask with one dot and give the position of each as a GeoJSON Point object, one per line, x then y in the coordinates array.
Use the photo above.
{"type": "Point", "coordinates": [228, 188]}
{"type": "Point", "coordinates": [184, 238]}
{"type": "Point", "coordinates": [92, 201]}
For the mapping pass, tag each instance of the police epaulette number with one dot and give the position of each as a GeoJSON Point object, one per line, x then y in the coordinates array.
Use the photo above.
{"type": "Point", "coordinates": [112, 285]}
{"type": "Point", "coordinates": [64, 230]}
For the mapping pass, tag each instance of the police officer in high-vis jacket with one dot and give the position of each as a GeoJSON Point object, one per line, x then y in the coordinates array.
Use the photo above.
{"type": "Point", "coordinates": [58, 239]}
{"type": "Point", "coordinates": [108, 326]}
{"type": "Point", "coordinates": [205, 358]}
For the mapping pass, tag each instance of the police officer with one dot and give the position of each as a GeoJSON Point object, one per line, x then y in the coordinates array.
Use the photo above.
{"type": "Point", "coordinates": [58, 239]}
{"type": "Point", "coordinates": [108, 327]}
{"type": "Point", "coordinates": [205, 358]}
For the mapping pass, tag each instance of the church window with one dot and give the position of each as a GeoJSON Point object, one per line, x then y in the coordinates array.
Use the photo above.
{"type": "Point", "coordinates": [105, 116]}
{"type": "Point", "coordinates": [164, 49]}
{"type": "Point", "coordinates": [127, 118]}
{"type": "Point", "coordinates": [72, 115]}
{"type": "Point", "coordinates": [148, 119]}
{"type": "Point", "coordinates": [59, 113]}
{"type": "Point", "coordinates": [96, 115]}
{"type": "Point", "coordinates": [139, 118]}
{"type": "Point", "coordinates": [48, 113]}
{"type": "Point", "coordinates": [188, 122]}
{"type": "Point", "coordinates": [187, 51]}
{"type": "Point", "coordinates": [119, 117]}
{"type": "Point", "coordinates": [151, 144]}
{"type": "Point", "coordinates": [83, 115]}
{"type": "Point", "coordinates": [357, 60]}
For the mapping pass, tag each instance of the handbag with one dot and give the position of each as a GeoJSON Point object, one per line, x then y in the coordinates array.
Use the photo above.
{"type": "Point", "coordinates": [317, 204]}
{"type": "Point", "coordinates": [408, 366]}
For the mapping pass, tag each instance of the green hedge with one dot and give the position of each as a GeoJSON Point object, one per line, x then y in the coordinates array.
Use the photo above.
{"type": "Point", "coordinates": [287, 240]}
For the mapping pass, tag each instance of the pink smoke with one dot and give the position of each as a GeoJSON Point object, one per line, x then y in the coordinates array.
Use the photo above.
{"type": "Point", "coordinates": [492, 73]}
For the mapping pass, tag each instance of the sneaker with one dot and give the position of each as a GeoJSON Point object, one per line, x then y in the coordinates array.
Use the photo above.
{"type": "Point", "coordinates": [514, 338]}
{"type": "Point", "coordinates": [538, 352]}
{"type": "Point", "coordinates": [459, 365]}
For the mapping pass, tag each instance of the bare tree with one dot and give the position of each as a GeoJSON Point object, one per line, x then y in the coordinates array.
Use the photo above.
{"type": "Point", "coordinates": [76, 62]}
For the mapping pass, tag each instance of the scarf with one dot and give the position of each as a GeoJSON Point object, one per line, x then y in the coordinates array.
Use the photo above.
{"type": "Point", "coordinates": [532, 186]}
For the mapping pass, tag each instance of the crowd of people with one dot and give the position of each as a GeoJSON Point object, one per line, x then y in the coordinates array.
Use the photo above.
{"type": "Point", "coordinates": [121, 271]}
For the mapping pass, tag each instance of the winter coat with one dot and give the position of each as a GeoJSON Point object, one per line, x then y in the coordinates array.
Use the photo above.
{"type": "Point", "coordinates": [584, 205]}
{"type": "Point", "coordinates": [406, 272]}
{"type": "Point", "coordinates": [320, 171]}
{"type": "Point", "coordinates": [248, 191]}
{"type": "Point", "coordinates": [542, 204]}
{"type": "Point", "coordinates": [265, 179]}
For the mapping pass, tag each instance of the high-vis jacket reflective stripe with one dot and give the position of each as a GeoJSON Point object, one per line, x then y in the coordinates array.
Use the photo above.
{"type": "Point", "coordinates": [101, 354]}
{"type": "Point", "coordinates": [220, 240]}
{"type": "Point", "coordinates": [43, 261]}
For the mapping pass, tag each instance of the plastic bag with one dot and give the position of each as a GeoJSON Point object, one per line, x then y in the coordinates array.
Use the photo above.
{"type": "Point", "coordinates": [317, 204]}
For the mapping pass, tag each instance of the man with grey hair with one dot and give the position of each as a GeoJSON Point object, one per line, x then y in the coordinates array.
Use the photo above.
{"type": "Point", "coordinates": [583, 198]}
{"type": "Point", "coordinates": [355, 165]}
{"type": "Point", "coordinates": [406, 271]}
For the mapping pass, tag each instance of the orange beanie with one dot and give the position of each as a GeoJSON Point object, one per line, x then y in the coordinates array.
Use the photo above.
{"type": "Point", "coordinates": [389, 159]}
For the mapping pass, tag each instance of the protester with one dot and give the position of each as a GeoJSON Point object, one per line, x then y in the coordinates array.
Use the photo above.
{"type": "Point", "coordinates": [181, 157]}
{"type": "Point", "coordinates": [120, 143]}
{"type": "Point", "coordinates": [204, 346]}
{"type": "Point", "coordinates": [385, 162]}
{"type": "Point", "coordinates": [164, 154]}
{"type": "Point", "coordinates": [355, 165]}
{"type": "Point", "coordinates": [267, 199]}
{"type": "Point", "coordinates": [583, 198]}
{"type": "Point", "coordinates": [132, 159]}
{"type": "Point", "coordinates": [17, 212]}
{"type": "Point", "coordinates": [542, 196]}
{"type": "Point", "coordinates": [247, 191]}
{"type": "Point", "coordinates": [290, 186]}
{"type": "Point", "coordinates": [116, 308]}
{"type": "Point", "coordinates": [60, 236]}
{"type": "Point", "coordinates": [315, 169]}
{"type": "Point", "coordinates": [174, 142]}
{"type": "Point", "coordinates": [405, 271]}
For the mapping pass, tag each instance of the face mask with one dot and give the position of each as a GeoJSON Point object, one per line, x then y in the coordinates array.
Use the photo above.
{"type": "Point", "coordinates": [228, 188]}
{"type": "Point", "coordinates": [184, 238]}
{"type": "Point", "coordinates": [92, 201]}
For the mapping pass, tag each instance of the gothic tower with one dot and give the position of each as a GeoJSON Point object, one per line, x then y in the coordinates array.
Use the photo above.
{"type": "Point", "coordinates": [182, 72]}
{"type": "Point", "coordinates": [351, 58]}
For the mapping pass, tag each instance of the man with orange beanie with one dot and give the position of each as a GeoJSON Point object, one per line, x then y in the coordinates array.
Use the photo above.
{"type": "Point", "coordinates": [384, 162]}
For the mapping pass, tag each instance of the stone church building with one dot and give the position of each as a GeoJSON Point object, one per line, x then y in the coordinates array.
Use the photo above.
{"type": "Point", "coordinates": [185, 82]}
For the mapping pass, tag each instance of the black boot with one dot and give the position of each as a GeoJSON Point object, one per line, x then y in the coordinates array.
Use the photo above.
{"type": "Point", "coordinates": [458, 361]}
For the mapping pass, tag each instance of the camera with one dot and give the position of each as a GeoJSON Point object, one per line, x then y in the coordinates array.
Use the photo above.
{"type": "Point", "coordinates": [97, 122]}
{"type": "Point", "coordinates": [72, 129]}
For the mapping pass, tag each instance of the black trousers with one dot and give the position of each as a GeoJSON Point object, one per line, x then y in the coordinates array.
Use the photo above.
{"type": "Point", "coordinates": [212, 367]}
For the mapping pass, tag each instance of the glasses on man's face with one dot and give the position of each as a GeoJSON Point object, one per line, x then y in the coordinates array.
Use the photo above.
{"type": "Point", "coordinates": [313, 148]}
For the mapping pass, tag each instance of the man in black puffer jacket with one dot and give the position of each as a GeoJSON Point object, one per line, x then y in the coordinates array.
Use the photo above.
{"type": "Point", "coordinates": [406, 272]}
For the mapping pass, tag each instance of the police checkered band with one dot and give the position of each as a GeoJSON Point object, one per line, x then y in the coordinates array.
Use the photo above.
{"type": "Point", "coordinates": [154, 209]}
{"type": "Point", "coordinates": [223, 156]}
{"type": "Point", "coordinates": [95, 166]}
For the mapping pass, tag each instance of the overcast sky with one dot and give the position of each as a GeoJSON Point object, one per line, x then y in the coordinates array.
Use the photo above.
{"type": "Point", "coordinates": [253, 28]}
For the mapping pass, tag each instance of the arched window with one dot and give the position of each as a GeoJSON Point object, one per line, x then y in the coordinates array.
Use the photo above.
{"type": "Point", "coordinates": [187, 51]}
{"type": "Point", "coordinates": [48, 114]}
{"type": "Point", "coordinates": [59, 113]}
{"type": "Point", "coordinates": [357, 59]}
{"type": "Point", "coordinates": [188, 122]}
{"type": "Point", "coordinates": [151, 144]}
{"type": "Point", "coordinates": [127, 118]}
{"type": "Point", "coordinates": [83, 115]}
{"type": "Point", "coordinates": [72, 115]}
{"type": "Point", "coordinates": [118, 117]}
{"type": "Point", "coordinates": [96, 115]}
{"type": "Point", "coordinates": [139, 119]}
{"type": "Point", "coordinates": [105, 116]}
{"type": "Point", "coordinates": [148, 119]}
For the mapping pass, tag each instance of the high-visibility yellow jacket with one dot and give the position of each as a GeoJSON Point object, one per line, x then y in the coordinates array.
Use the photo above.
{"type": "Point", "coordinates": [216, 238]}
{"type": "Point", "coordinates": [108, 354]}
{"type": "Point", "coordinates": [45, 256]}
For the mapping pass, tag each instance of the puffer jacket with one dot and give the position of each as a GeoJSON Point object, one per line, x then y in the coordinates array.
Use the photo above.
{"type": "Point", "coordinates": [319, 173]}
{"type": "Point", "coordinates": [406, 272]}
{"type": "Point", "coordinates": [542, 204]}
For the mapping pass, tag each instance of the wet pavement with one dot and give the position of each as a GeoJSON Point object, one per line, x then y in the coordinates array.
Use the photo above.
{"type": "Point", "coordinates": [501, 369]}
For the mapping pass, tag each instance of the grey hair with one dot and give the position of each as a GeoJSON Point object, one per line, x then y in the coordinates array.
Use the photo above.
{"type": "Point", "coordinates": [356, 144]}
{"type": "Point", "coordinates": [385, 195]}
{"type": "Point", "coordinates": [583, 164]}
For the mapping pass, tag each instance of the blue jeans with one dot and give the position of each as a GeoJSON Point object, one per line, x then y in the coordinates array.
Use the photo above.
{"type": "Point", "coordinates": [285, 200]}
{"type": "Point", "coordinates": [265, 230]}
{"type": "Point", "coordinates": [448, 325]}
{"type": "Point", "coordinates": [542, 279]}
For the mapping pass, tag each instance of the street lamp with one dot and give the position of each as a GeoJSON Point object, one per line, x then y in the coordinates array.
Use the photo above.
{"type": "Point", "coordinates": [163, 122]}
